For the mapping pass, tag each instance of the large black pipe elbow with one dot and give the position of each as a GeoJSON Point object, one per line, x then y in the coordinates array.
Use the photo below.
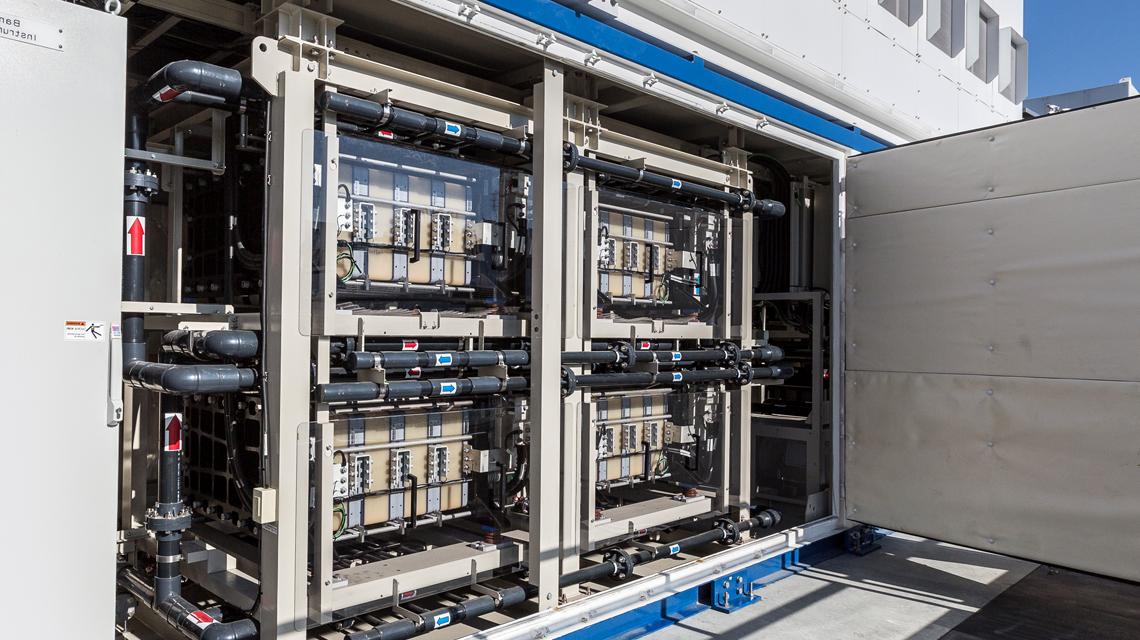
{"type": "Point", "coordinates": [237, 630]}
{"type": "Point", "coordinates": [191, 76]}
{"type": "Point", "coordinates": [212, 345]}
{"type": "Point", "coordinates": [230, 345]}
{"type": "Point", "coordinates": [769, 209]}
{"type": "Point", "coordinates": [189, 379]}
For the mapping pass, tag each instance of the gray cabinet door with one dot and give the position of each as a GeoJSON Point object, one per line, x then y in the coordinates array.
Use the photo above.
{"type": "Point", "coordinates": [992, 318]}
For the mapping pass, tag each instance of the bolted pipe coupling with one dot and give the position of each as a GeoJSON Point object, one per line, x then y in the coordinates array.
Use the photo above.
{"type": "Point", "coordinates": [569, 381]}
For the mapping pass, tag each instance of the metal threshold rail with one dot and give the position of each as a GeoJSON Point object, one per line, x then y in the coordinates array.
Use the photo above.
{"type": "Point", "coordinates": [610, 603]}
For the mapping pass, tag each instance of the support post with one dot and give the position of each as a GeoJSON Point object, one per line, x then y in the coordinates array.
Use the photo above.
{"type": "Point", "coordinates": [546, 337]}
{"type": "Point", "coordinates": [282, 611]}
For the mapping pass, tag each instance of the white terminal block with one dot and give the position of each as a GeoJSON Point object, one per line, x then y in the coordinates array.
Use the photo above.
{"type": "Point", "coordinates": [264, 505]}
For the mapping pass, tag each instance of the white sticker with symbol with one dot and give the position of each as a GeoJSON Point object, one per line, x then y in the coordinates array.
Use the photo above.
{"type": "Point", "coordinates": [85, 330]}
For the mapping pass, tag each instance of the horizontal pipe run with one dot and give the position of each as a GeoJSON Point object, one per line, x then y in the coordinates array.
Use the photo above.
{"type": "Point", "coordinates": [618, 565]}
{"type": "Point", "coordinates": [211, 345]}
{"type": "Point", "coordinates": [188, 378]}
{"type": "Point", "coordinates": [438, 359]}
{"type": "Point", "coordinates": [391, 528]}
{"type": "Point", "coordinates": [184, 615]}
{"type": "Point", "coordinates": [379, 115]}
{"type": "Point", "coordinates": [439, 388]}
{"type": "Point", "coordinates": [738, 200]}
{"type": "Point", "coordinates": [646, 378]}
{"type": "Point", "coordinates": [446, 616]}
{"type": "Point", "coordinates": [400, 444]}
{"type": "Point", "coordinates": [612, 355]}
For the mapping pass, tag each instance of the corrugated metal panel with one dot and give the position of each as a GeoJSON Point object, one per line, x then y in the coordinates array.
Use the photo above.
{"type": "Point", "coordinates": [993, 340]}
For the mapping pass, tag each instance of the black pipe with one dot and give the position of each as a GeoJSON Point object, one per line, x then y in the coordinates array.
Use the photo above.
{"type": "Point", "coordinates": [399, 389]}
{"type": "Point", "coordinates": [446, 616]}
{"type": "Point", "coordinates": [648, 378]}
{"type": "Point", "coordinates": [205, 82]}
{"type": "Point", "coordinates": [614, 355]}
{"type": "Point", "coordinates": [385, 115]}
{"type": "Point", "coordinates": [739, 200]}
{"type": "Point", "coordinates": [772, 372]}
{"type": "Point", "coordinates": [212, 345]}
{"type": "Point", "coordinates": [438, 359]}
{"type": "Point", "coordinates": [180, 612]}
{"type": "Point", "coordinates": [410, 344]}
{"type": "Point", "coordinates": [188, 378]}
{"type": "Point", "coordinates": [618, 564]}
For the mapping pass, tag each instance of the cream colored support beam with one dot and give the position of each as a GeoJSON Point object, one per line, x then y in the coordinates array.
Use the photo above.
{"type": "Point", "coordinates": [283, 608]}
{"type": "Point", "coordinates": [545, 492]}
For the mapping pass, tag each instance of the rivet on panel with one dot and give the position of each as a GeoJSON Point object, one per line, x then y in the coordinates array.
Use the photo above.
{"type": "Point", "coordinates": [990, 445]}
{"type": "Point", "coordinates": [990, 189]}
{"type": "Point", "coordinates": [993, 282]}
{"type": "Point", "coordinates": [989, 392]}
{"type": "Point", "coordinates": [991, 347]}
{"type": "Point", "coordinates": [990, 231]}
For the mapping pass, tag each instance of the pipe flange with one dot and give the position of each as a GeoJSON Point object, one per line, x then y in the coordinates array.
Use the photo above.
{"type": "Point", "coordinates": [570, 157]}
{"type": "Point", "coordinates": [626, 353]}
{"type": "Point", "coordinates": [164, 524]}
{"type": "Point", "coordinates": [145, 181]}
{"type": "Point", "coordinates": [622, 561]}
{"type": "Point", "coordinates": [732, 350]}
{"type": "Point", "coordinates": [569, 381]}
{"type": "Point", "coordinates": [747, 200]}
{"type": "Point", "coordinates": [731, 532]}
{"type": "Point", "coordinates": [744, 373]}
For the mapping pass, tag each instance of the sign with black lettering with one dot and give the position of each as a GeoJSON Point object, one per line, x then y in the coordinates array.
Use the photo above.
{"type": "Point", "coordinates": [13, 27]}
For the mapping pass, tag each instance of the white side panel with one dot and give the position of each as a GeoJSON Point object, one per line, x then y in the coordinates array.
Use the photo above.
{"type": "Point", "coordinates": [61, 108]}
{"type": "Point", "coordinates": [992, 345]}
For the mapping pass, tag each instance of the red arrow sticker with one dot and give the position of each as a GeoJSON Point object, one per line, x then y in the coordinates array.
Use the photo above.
{"type": "Point", "coordinates": [172, 432]}
{"type": "Point", "coordinates": [201, 619]}
{"type": "Point", "coordinates": [166, 94]}
{"type": "Point", "coordinates": [136, 233]}
{"type": "Point", "coordinates": [410, 345]}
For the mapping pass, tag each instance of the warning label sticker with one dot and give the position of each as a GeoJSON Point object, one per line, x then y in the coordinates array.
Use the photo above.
{"type": "Point", "coordinates": [85, 330]}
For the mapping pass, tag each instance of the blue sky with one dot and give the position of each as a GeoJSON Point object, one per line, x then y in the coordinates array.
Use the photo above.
{"type": "Point", "coordinates": [1075, 44]}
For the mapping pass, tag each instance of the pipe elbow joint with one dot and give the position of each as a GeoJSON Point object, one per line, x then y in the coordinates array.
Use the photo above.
{"type": "Point", "coordinates": [769, 209]}
{"type": "Point", "coordinates": [237, 630]}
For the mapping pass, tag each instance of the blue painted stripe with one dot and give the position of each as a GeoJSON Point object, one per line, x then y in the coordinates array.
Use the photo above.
{"type": "Point", "coordinates": [689, 69]}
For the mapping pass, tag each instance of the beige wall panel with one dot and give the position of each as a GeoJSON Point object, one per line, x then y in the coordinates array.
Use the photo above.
{"type": "Point", "coordinates": [1064, 300]}
{"type": "Point", "coordinates": [1044, 469]}
{"type": "Point", "coordinates": [1000, 162]}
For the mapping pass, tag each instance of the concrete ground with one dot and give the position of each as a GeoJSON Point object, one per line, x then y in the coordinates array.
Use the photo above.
{"type": "Point", "coordinates": [911, 589]}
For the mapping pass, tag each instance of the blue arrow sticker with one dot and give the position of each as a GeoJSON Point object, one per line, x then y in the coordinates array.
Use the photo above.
{"type": "Point", "coordinates": [674, 549]}
{"type": "Point", "coordinates": [443, 359]}
{"type": "Point", "coordinates": [442, 620]}
{"type": "Point", "coordinates": [452, 129]}
{"type": "Point", "coordinates": [676, 356]}
{"type": "Point", "coordinates": [448, 388]}
{"type": "Point", "coordinates": [676, 183]}
{"type": "Point", "coordinates": [677, 377]}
